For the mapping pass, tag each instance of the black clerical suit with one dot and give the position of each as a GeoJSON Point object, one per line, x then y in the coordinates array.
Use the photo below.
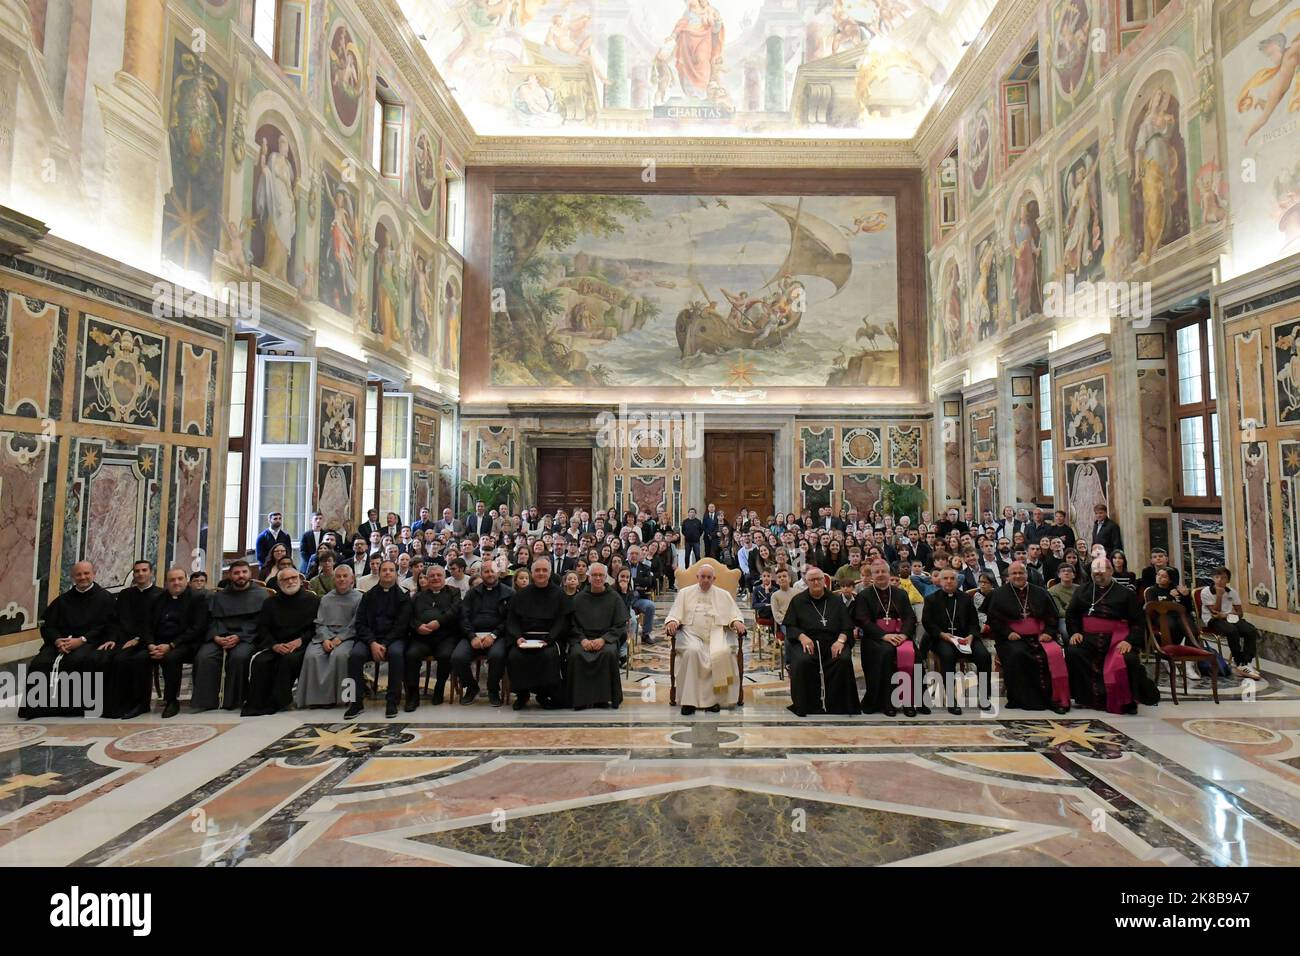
{"type": "Point", "coordinates": [180, 623]}
{"type": "Point", "coordinates": [879, 656]}
{"type": "Point", "coordinates": [284, 619]}
{"type": "Point", "coordinates": [536, 613]}
{"type": "Point", "coordinates": [383, 616]}
{"type": "Point", "coordinates": [428, 606]}
{"type": "Point", "coordinates": [820, 682]}
{"type": "Point", "coordinates": [90, 614]}
{"type": "Point", "coordinates": [126, 669]}
{"type": "Point", "coordinates": [955, 614]}
{"type": "Point", "coordinates": [483, 611]}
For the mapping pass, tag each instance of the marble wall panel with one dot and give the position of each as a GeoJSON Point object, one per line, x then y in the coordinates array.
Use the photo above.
{"type": "Point", "coordinates": [111, 515]}
{"type": "Point", "coordinates": [1153, 406]}
{"type": "Point", "coordinates": [1087, 484]}
{"type": "Point", "coordinates": [1249, 378]}
{"type": "Point", "coordinates": [33, 350]}
{"type": "Point", "coordinates": [1024, 420]}
{"type": "Point", "coordinates": [27, 484]}
{"type": "Point", "coordinates": [195, 399]}
{"type": "Point", "coordinates": [1259, 586]}
{"type": "Point", "coordinates": [191, 476]}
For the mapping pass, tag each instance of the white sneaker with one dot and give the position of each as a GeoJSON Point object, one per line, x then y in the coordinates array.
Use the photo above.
{"type": "Point", "coordinates": [1245, 672]}
{"type": "Point", "coordinates": [1192, 672]}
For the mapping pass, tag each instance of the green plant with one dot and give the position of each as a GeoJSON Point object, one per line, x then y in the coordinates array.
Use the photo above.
{"type": "Point", "coordinates": [898, 499]}
{"type": "Point", "coordinates": [492, 490]}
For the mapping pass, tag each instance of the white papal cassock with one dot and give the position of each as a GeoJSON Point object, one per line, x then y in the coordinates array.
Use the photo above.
{"type": "Point", "coordinates": [706, 663]}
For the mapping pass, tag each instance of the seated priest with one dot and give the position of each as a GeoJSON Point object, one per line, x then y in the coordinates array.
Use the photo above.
{"type": "Point", "coordinates": [286, 624]}
{"type": "Point", "coordinates": [534, 627]}
{"type": "Point", "coordinates": [383, 619]}
{"type": "Point", "coordinates": [709, 677]}
{"type": "Point", "coordinates": [884, 616]}
{"type": "Point", "coordinates": [61, 679]}
{"type": "Point", "coordinates": [176, 631]}
{"type": "Point", "coordinates": [819, 650]}
{"type": "Point", "coordinates": [1023, 621]}
{"type": "Point", "coordinates": [482, 618]}
{"type": "Point", "coordinates": [221, 663]}
{"type": "Point", "coordinates": [435, 632]}
{"type": "Point", "coordinates": [1105, 669]}
{"type": "Point", "coordinates": [325, 661]}
{"type": "Point", "coordinates": [952, 632]}
{"type": "Point", "coordinates": [126, 667]}
{"type": "Point", "coordinates": [597, 621]}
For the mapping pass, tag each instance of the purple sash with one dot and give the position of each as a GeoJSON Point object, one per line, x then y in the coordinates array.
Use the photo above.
{"type": "Point", "coordinates": [1114, 671]}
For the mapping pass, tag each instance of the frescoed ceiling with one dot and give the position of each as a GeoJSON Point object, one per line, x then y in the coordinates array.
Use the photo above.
{"type": "Point", "coordinates": [769, 68]}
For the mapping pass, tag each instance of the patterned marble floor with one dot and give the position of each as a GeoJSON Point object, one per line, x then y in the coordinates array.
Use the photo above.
{"type": "Point", "coordinates": [1196, 785]}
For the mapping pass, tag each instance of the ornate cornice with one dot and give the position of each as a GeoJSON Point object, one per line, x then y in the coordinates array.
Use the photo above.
{"type": "Point", "coordinates": [399, 41]}
{"type": "Point", "coordinates": [692, 151]}
{"type": "Point", "coordinates": [969, 81]}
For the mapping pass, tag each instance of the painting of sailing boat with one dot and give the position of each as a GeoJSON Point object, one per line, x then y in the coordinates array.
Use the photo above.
{"type": "Point", "coordinates": [729, 292]}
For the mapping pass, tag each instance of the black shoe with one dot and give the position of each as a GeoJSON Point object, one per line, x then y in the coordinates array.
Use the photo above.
{"type": "Point", "coordinates": [412, 702]}
{"type": "Point", "coordinates": [909, 711]}
{"type": "Point", "coordinates": [923, 709]}
{"type": "Point", "coordinates": [391, 709]}
{"type": "Point", "coordinates": [353, 711]}
{"type": "Point", "coordinates": [603, 705]}
{"type": "Point", "coordinates": [955, 710]}
{"type": "Point", "coordinates": [1056, 709]}
{"type": "Point", "coordinates": [890, 711]}
{"type": "Point", "coordinates": [549, 703]}
{"type": "Point", "coordinates": [470, 693]}
{"type": "Point", "coordinates": [715, 709]}
{"type": "Point", "coordinates": [989, 706]}
{"type": "Point", "coordinates": [649, 641]}
{"type": "Point", "coordinates": [687, 710]}
{"type": "Point", "coordinates": [436, 699]}
{"type": "Point", "coordinates": [521, 701]}
{"type": "Point", "coordinates": [579, 707]}
{"type": "Point", "coordinates": [134, 712]}
{"type": "Point", "coordinates": [1129, 709]}
{"type": "Point", "coordinates": [171, 709]}
{"type": "Point", "coordinates": [494, 698]}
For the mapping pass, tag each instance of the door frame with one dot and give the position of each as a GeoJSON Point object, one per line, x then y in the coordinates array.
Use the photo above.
{"type": "Point", "coordinates": [558, 446]}
{"type": "Point", "coordinates": [782, 459]}
{"type": "Point", "coordinates": [530, 442]}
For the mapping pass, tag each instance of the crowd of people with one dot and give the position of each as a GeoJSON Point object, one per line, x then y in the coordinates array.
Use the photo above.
{"type": "Point", "coordinates": [550, 601]}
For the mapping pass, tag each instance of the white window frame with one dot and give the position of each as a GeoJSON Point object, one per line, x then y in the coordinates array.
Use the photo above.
{"type": "Point", "coordinates": [402, 464]}
{"type": "Point", "coordinates": [260, 450]}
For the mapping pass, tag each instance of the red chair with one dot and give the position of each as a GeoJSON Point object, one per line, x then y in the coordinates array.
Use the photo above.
{"type": "Point", "coordinates": [1165, 647]}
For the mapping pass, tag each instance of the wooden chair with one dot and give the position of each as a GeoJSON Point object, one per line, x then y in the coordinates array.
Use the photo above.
{"type": "Point", "coordinates": [1165, 646]}
{"type": "Point", "coordinates": [456, 692]}
{"type": "Point", "coordinates": [740, 669]}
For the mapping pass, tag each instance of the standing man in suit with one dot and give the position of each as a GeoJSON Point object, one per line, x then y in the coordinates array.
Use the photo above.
{"type": "Point", "coordinates": [477, 522]}
{"type": "Point", "coordinates": [310, 541]}
{"type": "Point", "coordinates": [448, 523]}
{"type": "Point", "coordinates": [272, 535]}
{"type": "Point", "coordinates": [370, 525]}
{"type": "Point", "coordinates": [692, 531]}
{"type": "Point", "coordinates": [710, 524]}
{"type": "Point", "coordinates": [1106, 532]}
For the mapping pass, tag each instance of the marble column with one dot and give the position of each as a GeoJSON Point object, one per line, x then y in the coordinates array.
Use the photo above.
{"type": "Point", "coordinates": [774, 101]}
{"type": "Point", "coordinates": [134, 136]}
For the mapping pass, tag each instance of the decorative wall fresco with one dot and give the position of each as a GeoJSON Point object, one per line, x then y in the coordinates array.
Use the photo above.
{"type": "Point", "coordinates": [1159, 208]}
{"type": "Point", "coordinates": [738, 292]}
{"type": "Point", "coordinates": [860, 448]}
{"type": "Point", "coordinates": [337, 421]}
{"type": "Point", "coordinates": [450, 296]}
{"type": "Point", "coordinates": [1082, 228]}
{"type": "Point", "coordinates": [1259, 116]}
{"type": "Point", "coordinates": [334, 494]}
{"type": "Point", "coordinates": [691, 67]}
{"type": "Point", "coordinates": [340, 236]}
{"type": "Point", "coordinates": [1290, 501]}
{"type": "Point", "coordinates": [1071, 54]}
{"type": "Point", "coordinates": [1286, 370]}
{"type": "Point", "coordinates": [1087, 484]}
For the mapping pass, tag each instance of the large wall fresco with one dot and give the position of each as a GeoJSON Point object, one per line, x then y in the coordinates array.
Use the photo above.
{"type": "Point", "coordinates": [727, 291]}
{"type": "Point", "coordinates": [107, 439]}
{"type": "Point", "coordinates": [694, 67]}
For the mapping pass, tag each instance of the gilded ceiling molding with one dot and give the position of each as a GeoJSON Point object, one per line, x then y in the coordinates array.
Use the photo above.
{"type": "Point", "coordinates": [681, 151]}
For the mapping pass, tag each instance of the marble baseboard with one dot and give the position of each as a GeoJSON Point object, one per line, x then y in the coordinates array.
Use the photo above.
{"type": "Point", "coordinates": [1279, 648]}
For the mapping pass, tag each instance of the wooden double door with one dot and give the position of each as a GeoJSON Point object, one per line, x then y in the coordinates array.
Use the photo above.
{"type": "Point", "coordinates": [564, 479]}
{"type": "Point", "coordinates": [738, 472]}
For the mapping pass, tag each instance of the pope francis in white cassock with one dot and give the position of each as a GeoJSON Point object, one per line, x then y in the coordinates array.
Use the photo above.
{"type": "Point", "coordinates": [707, 675]}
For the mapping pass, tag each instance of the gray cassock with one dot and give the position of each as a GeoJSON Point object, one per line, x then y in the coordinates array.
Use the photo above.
{"type": "Point", "coordinates": [706, 661]}
{"type": "Point", "coordinates": [322, 676]}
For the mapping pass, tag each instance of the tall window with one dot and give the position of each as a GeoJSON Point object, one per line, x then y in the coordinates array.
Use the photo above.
{"type": "Point", "coordinates": [948, 192]}
{"type": "Point", "coordinates": [282, 453]}
{"type": "Point", "coordinates": [1046, 463]}
{"type": "Point", "coordinates": [1022, 105]}
{"type": "Point", "coordinates": [278, 29]}
{"type": "Point", "coordinates": [389, 116]}
{"type": "Point", "coordinates": [370, 466]}
{"type": "Point", "coordinates": [455, 218]}
{"type": "Point", "coordinates": [1195, 411]}
{"type": "Point", "coordinates": [1134, 15]}
{"type": "Point", "coordinates": [234, 542]}
{"type": "Point", "coordinates": [395, 456]}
